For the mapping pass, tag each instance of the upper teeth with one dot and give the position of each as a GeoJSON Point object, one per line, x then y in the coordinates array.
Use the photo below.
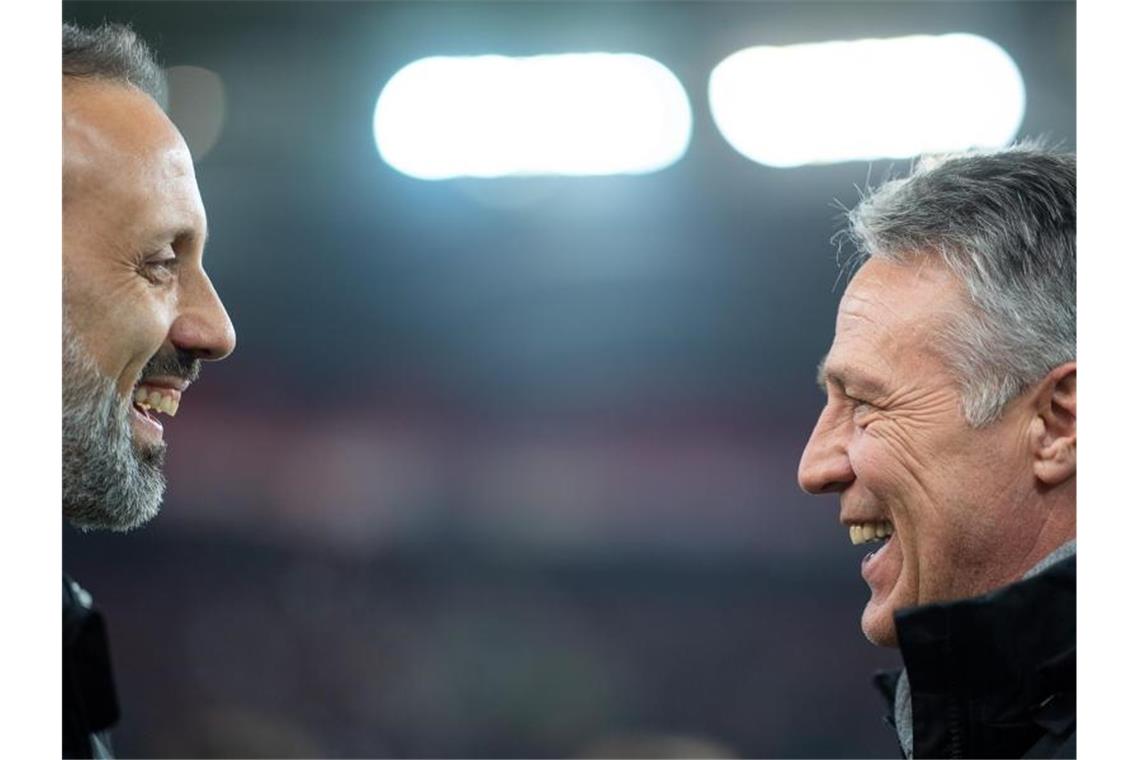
{"type": "Point", "coordinates": [864, 532]}
{"type": "Point", "coordinates": [152, 399]}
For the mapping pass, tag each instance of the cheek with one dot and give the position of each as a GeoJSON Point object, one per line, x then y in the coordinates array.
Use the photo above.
{"type": "Point", "coordinates": [124, 335]}
{"type": "Point", "coordinates": [886, 470]}
{"type": "Point", "coordinates": [894, 451]}
{"type": "Point", "coordinates": [878, 463]}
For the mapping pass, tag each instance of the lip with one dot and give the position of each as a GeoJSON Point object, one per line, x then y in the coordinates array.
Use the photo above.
{"type": "Point", "coordinates": [875, 567]}
{"type": "Point", "coordinates": [165, 381]}
{"type": "Point", "coordinates": [147, 428]}
{"type": "Point", "coordinates": [857, 509]}
{"type": "Point", "coordinates": [848, 521]}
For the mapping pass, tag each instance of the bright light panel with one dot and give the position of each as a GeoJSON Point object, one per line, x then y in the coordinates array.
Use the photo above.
{"type": "Point", "coordinates": [493, 116]}
{"type": "Point", "coordinates": [866, 99]}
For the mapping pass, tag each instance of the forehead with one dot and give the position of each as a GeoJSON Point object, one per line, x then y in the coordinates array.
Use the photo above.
{"type": "Point", "coordinates": [122, 155]}
{"type": "Point", "coordinates": [890, 317]}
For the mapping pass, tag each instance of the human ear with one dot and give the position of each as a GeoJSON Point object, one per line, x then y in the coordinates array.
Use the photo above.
{"type": "Point", "coordinates": [1055, 426]}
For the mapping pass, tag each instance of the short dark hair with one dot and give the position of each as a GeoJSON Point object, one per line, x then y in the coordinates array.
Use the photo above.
{"type": "Point", "coordinates": [112, 52]}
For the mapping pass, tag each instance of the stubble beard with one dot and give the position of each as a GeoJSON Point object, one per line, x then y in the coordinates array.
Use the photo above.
{"type": "Point", "coordinates": [110, 482]}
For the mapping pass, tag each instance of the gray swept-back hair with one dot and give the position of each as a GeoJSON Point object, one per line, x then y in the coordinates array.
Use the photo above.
{"type": "Point", "coordinates": [1005, 223]}
{"type": "Point", "coordinates": [112, 52]}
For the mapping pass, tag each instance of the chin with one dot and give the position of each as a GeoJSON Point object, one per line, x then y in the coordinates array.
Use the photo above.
{"type": "Point", "coordinates": [150, 453]}
{"type": "Point", "coordinates": [879, 626]}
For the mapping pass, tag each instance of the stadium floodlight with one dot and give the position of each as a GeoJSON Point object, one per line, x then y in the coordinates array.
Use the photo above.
{"type": "Point", "coordinates": [569, 114]}
{"type": "Point", "coordinates": [866, 99]}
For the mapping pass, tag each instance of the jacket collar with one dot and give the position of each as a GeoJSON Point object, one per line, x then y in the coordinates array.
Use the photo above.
{"type": "Point", "coordinates": [995, 671]}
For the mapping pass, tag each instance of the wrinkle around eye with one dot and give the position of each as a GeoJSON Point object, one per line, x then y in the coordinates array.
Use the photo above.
{"type": "Point", "coordinates": [159, 271]}
{"type": "Point", "coordinates": [928, 408]}
{"type": "Point", "coordinates": [864, 414]}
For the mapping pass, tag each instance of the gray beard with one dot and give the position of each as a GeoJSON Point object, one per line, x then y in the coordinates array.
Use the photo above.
{"type": "Point", "coordinates": [109, 481]}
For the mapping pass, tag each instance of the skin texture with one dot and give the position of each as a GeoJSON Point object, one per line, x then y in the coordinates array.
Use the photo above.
{"type": "Point", "coordinates": [135, 292]}
{"type": "Point", "coordinates": [134, 230]}
{"type": "Point", "coordinates": [972, 509]}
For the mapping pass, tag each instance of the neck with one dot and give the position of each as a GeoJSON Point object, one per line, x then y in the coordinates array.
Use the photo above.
{"type": "Point", "coordinates": [1058, 509]}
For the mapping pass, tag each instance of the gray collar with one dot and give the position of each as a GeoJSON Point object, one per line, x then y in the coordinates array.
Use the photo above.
{"type": "Point", "coordinates": [904, 721]}
{"type": "Point", "coordinates": [1064, 551]}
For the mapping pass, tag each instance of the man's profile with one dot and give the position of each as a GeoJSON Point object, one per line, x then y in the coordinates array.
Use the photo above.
{"type": "Point", "coordinates": [949, 433]}
{"type": "Point", "coordinates": [139, 315]}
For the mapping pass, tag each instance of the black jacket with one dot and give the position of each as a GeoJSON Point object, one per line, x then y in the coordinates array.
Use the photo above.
{"type": "Point", "coordinates": [89, 704]}
{"type": "Point", "coordinates": [994, 676]}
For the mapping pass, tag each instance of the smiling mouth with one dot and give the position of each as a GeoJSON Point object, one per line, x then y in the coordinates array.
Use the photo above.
{"type": "Point", "coordinates": [862, 533]}
{"type": "Point", "coordinates": [150, 398]}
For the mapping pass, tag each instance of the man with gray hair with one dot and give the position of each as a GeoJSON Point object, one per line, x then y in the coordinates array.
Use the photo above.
{"type": "Point", "coordinates": [139, 315]}
{"type": "Point", "coordinates": [950, 435]}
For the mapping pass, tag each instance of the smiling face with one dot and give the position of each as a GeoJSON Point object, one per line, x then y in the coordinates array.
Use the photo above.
{"type": "Point", "coordinates": [893, 443]}
{"type": "Point", "coordinates": [139, 310]}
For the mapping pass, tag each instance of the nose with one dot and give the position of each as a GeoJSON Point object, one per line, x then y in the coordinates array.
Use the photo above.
{"type": "Point", "coordinates": [203, 327]}
{"type": "Point", "coordinates": [825, 466]}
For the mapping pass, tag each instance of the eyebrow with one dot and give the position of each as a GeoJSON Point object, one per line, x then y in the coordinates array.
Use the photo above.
{"type": "Point", "coordinates": [821, 373]}
{"type": "Point", "coordinates": [192, 233]}
{"type": "Point", "coordinates": [181, 233]}
{"type": "Point", "coordinates": [845, 376]}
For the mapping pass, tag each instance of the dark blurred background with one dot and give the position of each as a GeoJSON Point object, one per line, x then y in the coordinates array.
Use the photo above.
{"type": "Point", "coordinates": [505, 467]}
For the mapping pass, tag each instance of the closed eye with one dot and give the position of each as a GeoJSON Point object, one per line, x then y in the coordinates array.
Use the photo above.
{"type": "Point", "coordinates": [159, 269]}
{"type": "Point", "coordinates": [861, 407]}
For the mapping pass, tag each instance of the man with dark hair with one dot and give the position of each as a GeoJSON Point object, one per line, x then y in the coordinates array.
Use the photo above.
{"type": "Point", "coordinates": [139, 315]}
{"type": "Point", "coordinates": [950, 434]}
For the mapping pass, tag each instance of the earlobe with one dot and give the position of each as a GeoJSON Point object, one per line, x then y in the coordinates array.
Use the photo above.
{"type": "Point", "coordinates": [1055, 427]}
